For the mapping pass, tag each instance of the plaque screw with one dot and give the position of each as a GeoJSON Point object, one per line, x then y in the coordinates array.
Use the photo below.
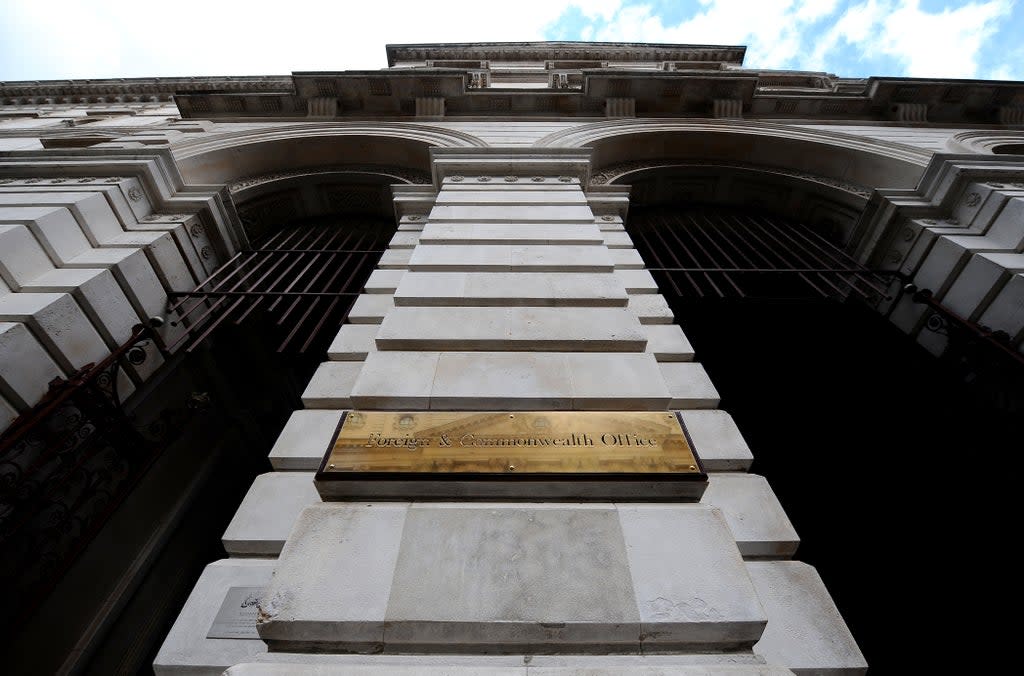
{"type": "Point", "coordinates": [691, 466]}
{"type": "Point", "coordinates": [330, 467]}
{"type": "Point", "coordinates": [511, 468]}
{"type": "Point", "coordinates": [511, 416]}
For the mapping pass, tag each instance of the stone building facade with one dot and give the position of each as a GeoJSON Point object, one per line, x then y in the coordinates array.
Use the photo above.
{"type": "Point", "coordinates": [474, 228]}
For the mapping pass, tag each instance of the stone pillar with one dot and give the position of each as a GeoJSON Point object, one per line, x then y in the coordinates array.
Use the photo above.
{"type": "Point", "coordinates": [512, 295]}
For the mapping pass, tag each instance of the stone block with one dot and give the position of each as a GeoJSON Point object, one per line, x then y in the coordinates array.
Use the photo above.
{"type": "Point", "coordinates": [395, 380]}
{"type": "Point", "coordinates": [334, 576]}
{"type": "Point", "coordinates": [979, 282]}
{"type": "Point", "coordinates": [510, 289]}
{"type": "Point", "coordinates": [59, 324]}
{"type": "Point", "coordinates": [353, 342]}
{"type": "Point", "coordinates": [689, 385]}
{"type": "Point", "coordinates": [395, 259]}
{"type": "Point", "coordinates": [25, 368]}
{"type": "Point", "coordinates": [504, 213]}
{"type": "Point", "coordinates": [166, 258]}
{"type": "Point", "coordinates": [304, 440]}
{"type": "Point", "coordinates": [472, 233]}
{"type": "Point", "coordinates": [626, 259]}
{"type": "Point", "coordinates": [90, 209]}
{"type": "Point", "coordinates": [755, 517]}
{"type": "Point", "coordinates": [651, 308]}
{"type": "Point", "coordinates": [691, 586]}
{"type": "Point", "coordinates": [1006, 311]}
{"type": "Point", "coordinates": [134, 273]}
{"type": "Point", "coordinates": [370, 308]}
{"type": "Point", "coordinates": [637, 281]}
{"type": "Point", "coordinates": [283, 664]}
{"type": "Point", "coordinates": [492, 578]}
{"type": "Point", "coordinates": [404, 240]}
{"type": "Point", "coordinates": [667, 342]}
{"type": "Point", "coordinates": [54, 227]}
{"type": "Point", "coordinates": [1008, 227]}
{"type": "Point", "coordinates": [186, 651]}
{"type": "Point", "coordinates": [717, 440]}
{"type": "Point", "coordinates": [448, 197]}
{"type": "Point", "coordinates": [617, 240]}
{"type": "Point", "coordinates": [331, 385]}
{"type": "Point", "coordinates": [500, 257]}
{"type": "Point", "coordinates": [805, 631]}
{"type": "Point", "coordinates": [7, 414]}
{"type": "Point", "coordinates": [616, 382]}
{"type": "Point", "coordinates": [267, 513]}
{"type": "Point", "coordinates": [496, 380]}
{"type": "Point", "coordinates": [22, 259]}
{"type": "Point", "coordinates": [383, 281]}
{"type": "Point", "coordinates": [518, 328]}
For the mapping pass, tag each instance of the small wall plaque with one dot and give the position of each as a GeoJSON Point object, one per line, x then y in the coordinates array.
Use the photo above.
{"type": "Point", "coordinates": [237, 615]}
{"type": "Point", "coordinates": [523, 455]}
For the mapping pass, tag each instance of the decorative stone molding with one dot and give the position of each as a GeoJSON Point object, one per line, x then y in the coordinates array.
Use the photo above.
{"type": "Point", "coordinates": [488, 164]}
{"type": "Point", "coordinates": [620, 107]}
{"type": "Point", "coordinates": [323, 106]}
{"type": "Point", "coordinates": [399, 174]}
{"type": "Point", "coordinates": [1011, 115]}
{"type": "Point", "coordinates": [727, 108]}
{"type": "Point", "coordinates": [430, 106]}
{"type": "Point", "coordinates": [909, 112]}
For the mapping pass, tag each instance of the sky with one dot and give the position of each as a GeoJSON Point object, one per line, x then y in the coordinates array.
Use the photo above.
{"type": "Point", "coordinates": [60, 39]}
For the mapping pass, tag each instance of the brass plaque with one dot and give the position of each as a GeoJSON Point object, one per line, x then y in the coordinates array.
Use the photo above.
{"type": "Point", "coordinates": [511, 443]}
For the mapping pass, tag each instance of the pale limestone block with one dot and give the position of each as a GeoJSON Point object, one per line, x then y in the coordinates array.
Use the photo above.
{"type": "Point", "coordinates": [755, 517]}
{"type": "Point", "coordinates": [651, 308]}
{"type": "Point", "coordinates": [689, 385]}
{"type": "Point", "coordinates": [7, 414]}
{"type": "Point", "coordinates": [395, 380]}
{"type": "Point", "coordinates": [134, 273]}
{"type": "Point", "coordinates": [618, 240]}
{"type": "Point", "coordinates": [945, 260]}
{"type": "Point", "coordinates": [616, 382]}
{"type": "Point", "coordinates": [511, 197]}
{"type": "Point", "coordinates": [626, 259]}
{"type": "Point", "coordinates": [404, 240]}
{"type": "Point", "coordinates": [383, 281]}
{"type": "Point", "coordinates": [22, 259]}
{"type": "Point", "coordinates": [353, 342]}
{"type": "Point", "coordinates": [395, 259]}
{"type": "Point", "coordinates": [90, 209]}
{"type": "Point", "coordinates": [512, 589]}
{"type": "Point", "coordinates": [472, 233]}
{"type": "Point", "coordinates": [186, 651]}
{"type": "Point", "coordinates": [331, 385]}
{"type": "Point", "coordinates": [1008, 227]}
{"type": "Point", "coordinates": [334, 576]}
{"type": "Point", "coordinates": [164, 254]}
{"type": "Point", "coordinates": [55, 227]}
{"type": "Point", "coordinates": [516, 328]}
{"type": "Point", "coordinates": [25, 368]}
{"type": "Point", "coordinates": [980, 281]}
{"type": "Point", "coordinates": [507, 289]}
{"type": "Point", "coordinates": [411, 227]}
{"type": "Point", "coordinates": [304, 440]}
{"type": "Point", "coordinates": [637, 281]}
{"type": "Point", "coordinates": [805, 631]}
{"type": "Point", "coordinates": [691, 586]}
{"type": "Point", "coordinates": [501, 380]}
{"type": "Point", "coordinates": [500, 257]}
{"type": "Point", "coordinates": [668, 343]}
{"type": "Point", "coordinates": [1006, 311]}
{"type": "Point", "coordinates": [655, 664]}
{"type": "Point", "coordinates": [513, 214]}
{"type": "Point", "coordinates": [59, 324]}
{"type": "Point", "coordinates": [717, 441]}
{"type": "Point", "coordinates": [267, 513]}
{"type": "Point", "coordinates": [370, 308]}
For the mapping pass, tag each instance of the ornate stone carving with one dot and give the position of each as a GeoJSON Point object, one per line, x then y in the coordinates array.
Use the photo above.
{"type": "Point", "coordinates": [398, 173]}
{"type": "Point", "coordinates": [483, 179]}
{"type": "Point", "coordinates": [457, 179]}
{"type": "Point", "coordinates": [134, 194]}
{"type": "Point", "coordinates": [511, 179]}
{"type": "Point", "coordinates": [537, 179]}
{"type": "Point", "coordinates": [973, 199]}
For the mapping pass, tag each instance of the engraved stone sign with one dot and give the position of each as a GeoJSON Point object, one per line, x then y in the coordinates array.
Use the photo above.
{"type": "Point", "coordinates": [237, 615]}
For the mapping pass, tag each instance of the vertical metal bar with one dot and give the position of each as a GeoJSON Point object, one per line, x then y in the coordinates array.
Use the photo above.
{"type": "Point", "coordinates": [699, 229]}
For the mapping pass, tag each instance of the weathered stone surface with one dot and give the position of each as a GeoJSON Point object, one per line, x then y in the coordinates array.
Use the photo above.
{"type": "Point", "coordinates": [1006, 312]}
{"type": "Point", "coordinates": [395, 259]}
{"type": "Point", "coordinates": [506, 213]}
{"type": "Point", "coordinates": [626, 259]}
{"type": "Point", "coordinates": [651, 308]}
{"type": "Point", "coordinates": [54, 227]}
{"type": "Point", "coordinates": [667, 342]}
{"type": "Point", "coordinates": [353, 342]}
{"type": "Point", "coordinates": [25, 367]}
{"type": "Point", "coordinates": [609, 382]}
{"type": "Point", "coordinates": [505, 196]}
{"type": "Point", "coordinates": [689, 385]}
{"type": "Point", "coordinates": [516, 328]}
{"type": "Point", "coordinates": [755, 517]}
{"type": "Point", "coordinates": [717, 440]}
{"type": "Point", "coordinates": [502, 257]}
{"type": "Point", "coordinates": [22, 259]}
{"type": "Point", "coordinates": [379, 578]}
{"type": "Point", "coordinates": [266, 516]}
{"type": "Point", "coordinates": [509, 289]}
{"type": "Point", "coordinates": [805, 631]}
{"type": "Point", "coordinates": [370, 308]}
{"type": "Point", "coordinates": [134, 273]}
{"type": "Point", "coordinates": [404, 240]}
{"type": "Point", "coordinates": [331, 385]}
{"type": "Point", "coordinates": [691, 587]}
{"type": "Point", "coordinates": [59, 324]}
{"type": "Point", "coordinates": [980, 281]}
{"type": "Point", "coordinates": [304, 440]}
{"type": "Point", "coordinates": [497, 380]}
{"type": "Point", "coordinates": [498, 233]}
{"type": "Point", "coordinates": [395, 380]}
{"type": "Point", "coordinates": [186, 650]}
{"type": "Point", "coordinates": [383, 281]}
{"type": "Point", "coordinates": [637, 281]}
{"type": "Point", "coordinates": [617, 240]}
